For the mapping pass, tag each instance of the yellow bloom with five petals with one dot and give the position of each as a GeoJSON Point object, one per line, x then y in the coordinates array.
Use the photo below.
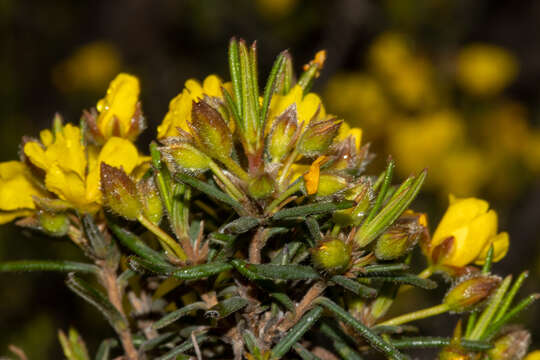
{"type": "Point", "coordinates": [117, 110]}
{"type": "Point", "coordinates": [16, 191]}
{"type": "Point", "coordinates": [72, 170]}
{"type": "Point", "coordinates": [473, 228]}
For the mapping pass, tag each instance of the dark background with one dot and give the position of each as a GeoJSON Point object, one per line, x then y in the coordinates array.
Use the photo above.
{"type": "Point", "coordinates": [167, 42]}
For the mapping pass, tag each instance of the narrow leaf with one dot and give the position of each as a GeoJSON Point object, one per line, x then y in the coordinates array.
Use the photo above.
{"type": "Point", "coordinates": [270, 86]}
{"type": "Point", "coordinates": [104, 350]}
{"type": "Point", "coordinates": [209, 190]}
{"type": "Point", "coordinates": [184, 273]}
{"type": "Point", "coordinates": [296, 332]}
{"type": "Point", "coordinates": [185, 346]}
{"type": "Point", "coordinates": [434, 342]}
{"type": "Point", "coordinates": [354, 286]}
{"type": "Point", "coordinates": [135, 244]}
{"type": "Point", "coordinates": [48, 265]}
{"type": "Point", "coordinates": [177, 314]}
{"type": "Point", "coordinates": [311, 209]}
{"type": "Point", "coordinates": [226, 307]}
{"type": "Point", "coordinates": [409, 279]}
{"type": "Point", "coordinates": [385, 268]}
{"type": "Point", "coordinates": [275, 272]}
{"type": "Point", "coordinates": [241, 225]}
{"type": "Point", "coordinates": [384, 188]}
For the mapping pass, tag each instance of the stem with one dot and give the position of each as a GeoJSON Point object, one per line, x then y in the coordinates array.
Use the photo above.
{"type": "Point", "coordinates": [291, 190]}
{"type": "Point", "coordinates": [234, 192]}
{"type": "Point", "coordinates": [168, 242]}
{"type": "Point", "coordinates": [235, 169]}
{"type": "Point", "coordinates": [115, 297]}
{"type": "Point", "coordinates": [417, 315]}
{"type": "Point", "coordinates": [290, 160]}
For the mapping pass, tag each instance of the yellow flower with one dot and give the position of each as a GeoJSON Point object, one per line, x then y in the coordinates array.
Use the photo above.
{"type": "Point", "coordinates": [484, 69]}
{"type": "Point", "coordinates": [72, 169]}
{"type": "Point", "coordinates": [16, 191]}
{"type": "Point", "coordinates": [117, 109]}
{"type": "Point", "coordinates": [345, 131]}
{"type": "Point", "coordinates": [306, 106]}
{"type": "Point", "coordinates": [389, 52]}
{"type": "Point", "coordinates": [535, 355]}
{"type": "Point", "coordinates": [473, 228]}
{"type": "Point", "coordinates": [179, 114]}
{"type": "Point", "coordinates": [89, 68]}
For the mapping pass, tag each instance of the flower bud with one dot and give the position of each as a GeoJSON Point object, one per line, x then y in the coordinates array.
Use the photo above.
{"type": "Point", "coordinates": [469, 292]}
{"type": "Point", "coordinates": [120, 192]}
{"type": "Point", "coordinates": [330, 184]}
{"type": "Point", "coordinates": [511, 346]}
{"type": "Point", "coordinates": [399, 239]}
{"type": "Point", "coordinates": [211, 132]}
{"type": "Point", "coordinates": [362, 195]}
{"type": "Point", "coordinates": [318, 136]}
{"type": "Point", "coordinates": [184, 157]}
{"type": "Point", "coordinates": [152, 206]}
{"type": "Point", "coordinates": [332, 255]}
{"type": "Point", "coordinates": [283, 134]}
{"type": "Point", "coordinates": [261, 187]}
{"type": "Point", "coordinates": [53, 224]}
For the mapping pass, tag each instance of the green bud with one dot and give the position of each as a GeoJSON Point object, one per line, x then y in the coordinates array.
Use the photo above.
{"type": "Point", "coordinates": [151, 200]}
{"type": "Point", "coordinates": [285, 78]}
{"type": "Point", "coordinates": [318, 136]}
{"type": "Point", "coordinates": [330, 185]}
{"type": "Point", "coordinates": [283, 134]}
{"type": "Point", "coordinates": [469, 292]}
{"type": "Point", "coordinates": [332, 255]}
{"type": "Point", "coordinates": [53, 224]}
{"type": "Point", "coordinates": [399, 239]}
{"type": "Point", "coordinates": [511, 346]}
{"type": "Point", "coordinates": [210, 130]}
{"type": "Point", "coordinates": [120, 192]}
{"type": "Point", "coordinates": [184, 157]}
{"type": "Point", "coordinates": [362, 195]}
{"type": "Point", "coordinates": [261, 187]}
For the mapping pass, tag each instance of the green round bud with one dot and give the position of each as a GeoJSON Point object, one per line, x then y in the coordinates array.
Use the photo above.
{"type": "Point", "coordinates": [333, 256]}
{"type": "Point", "coordinates": [54, 224]}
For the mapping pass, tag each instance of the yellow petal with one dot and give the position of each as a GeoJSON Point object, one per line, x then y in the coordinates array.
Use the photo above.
{"type": "Point", "coordinates": [212, 86]}
{"type": "Point", "coordinates": [459, 213]}
{"type": "Point", "coordinates": [178, 116]}
{"type": "Point", "coordinates": [310, 105]}
{"type": "Point", "coordinates": [36, 154]}
{"type": "Point", "coordinates": [535, 355]}
{"type": "Point", "coordinates": [297, 170]}
{"type": "Point", "coordinates": [16, 188]}
{"type": "Point", "coordinates": [67, 185]}
{"type": "Point", "coordinates": [46, 137]}
{"type": "Point", "coordinates": [501, 243]}
{"type": "Point", "coordinates": [311, 178]}
{"type": "Point", "coordinates": [67, 151]}
{"type": "Point", "coordinates": [194, 88]}
{"type": "Point", "coordinates": [119, 103]}
{"type": "Point", "coordinates": [7, 216]}
{"type": "Point", "coordinates": [478, 234]}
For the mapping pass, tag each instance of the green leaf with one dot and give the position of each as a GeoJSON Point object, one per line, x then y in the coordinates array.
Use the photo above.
{"type": "Point", "coordinates": [369, 231]}
{"type": "Point", "coordinates": [209, 190]}
{"type": "Point", "coordinates": [185, 346]}
{"type": "Point", "coordinates": [314, 230]}
{"type": "Point", "coordinates": [311, 209]}
{"type": "Point", "coordinates": [73, 345]}
{"type": "Point", "coordinates": [177, 314]}
{"type": "Point", "coordinates": [241, 225]}
{"type": "Point", "coordinates": [434, 342]}
{"type": "Point", "coordinates": [385, 268]}
{"type": "Point", "coordinates": [495, 326]}
{"type": "Point", "coordinates": [304, 353]}
{"type": "Point", "coordinates": [184, 273]}
{"type": "Point", "coordinates": [98, 299]}
{"type": "Point", "coordinates": [163, 177]}
{"type": "Point", "coordinates": [158, 340]}
{"type": "Point", "coordinates": [269, 89]}
{"type": "Point", "coordinates": [409, 279]}
{"type": "Point", "coordinates": [509, 297]}
{"type": "Point", "coordinates": [226, 307]}
{"type": "Point", "coordinates": [234, 67]}
{"type": "Point", "coordinates": [104, 350]}
{"type": "Point", "coordinates": [285, 300]}
{"type": "Point", "coordinates": [354, 286]}
{"type": "Point", "coordinates": [135, 244]}
{"type": "Point", "coordinates": [384, 188]}
{"type": "Point", "coordinates": [286, 253]}
{"type": "Point", "coordinates": [375, 340]}
{"type": "Point", "coordinates": [340, 340]}
{"type": "Point", "coordinates": [95, 236]}
{"type": "Point", "coordinates": [296, 332]}
{"type": "Point", "coordinates": [48, 265]}
{"type": "Point", "coordinates": [275, 272]}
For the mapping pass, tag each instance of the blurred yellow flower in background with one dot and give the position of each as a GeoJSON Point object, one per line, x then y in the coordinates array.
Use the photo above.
{"type": "Point", "coordinates": [360, 99]}
{"type": "Point", "coordinates": [16, 191]}
{"type": "Point", "coordinates": [276, 9]}
{"type": "Point", "coordinates": [535, 355]}
{"type": "Point", "coordinates": [484, 69]}
{"type": "Point", "coordinates": [117, 109]}
{"type": "Point", "coordinates": [179, 113]}
{"type": "Point", "coordinates": [89, 68]}
{"type": "Point", "coordinates": [473, 229]}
